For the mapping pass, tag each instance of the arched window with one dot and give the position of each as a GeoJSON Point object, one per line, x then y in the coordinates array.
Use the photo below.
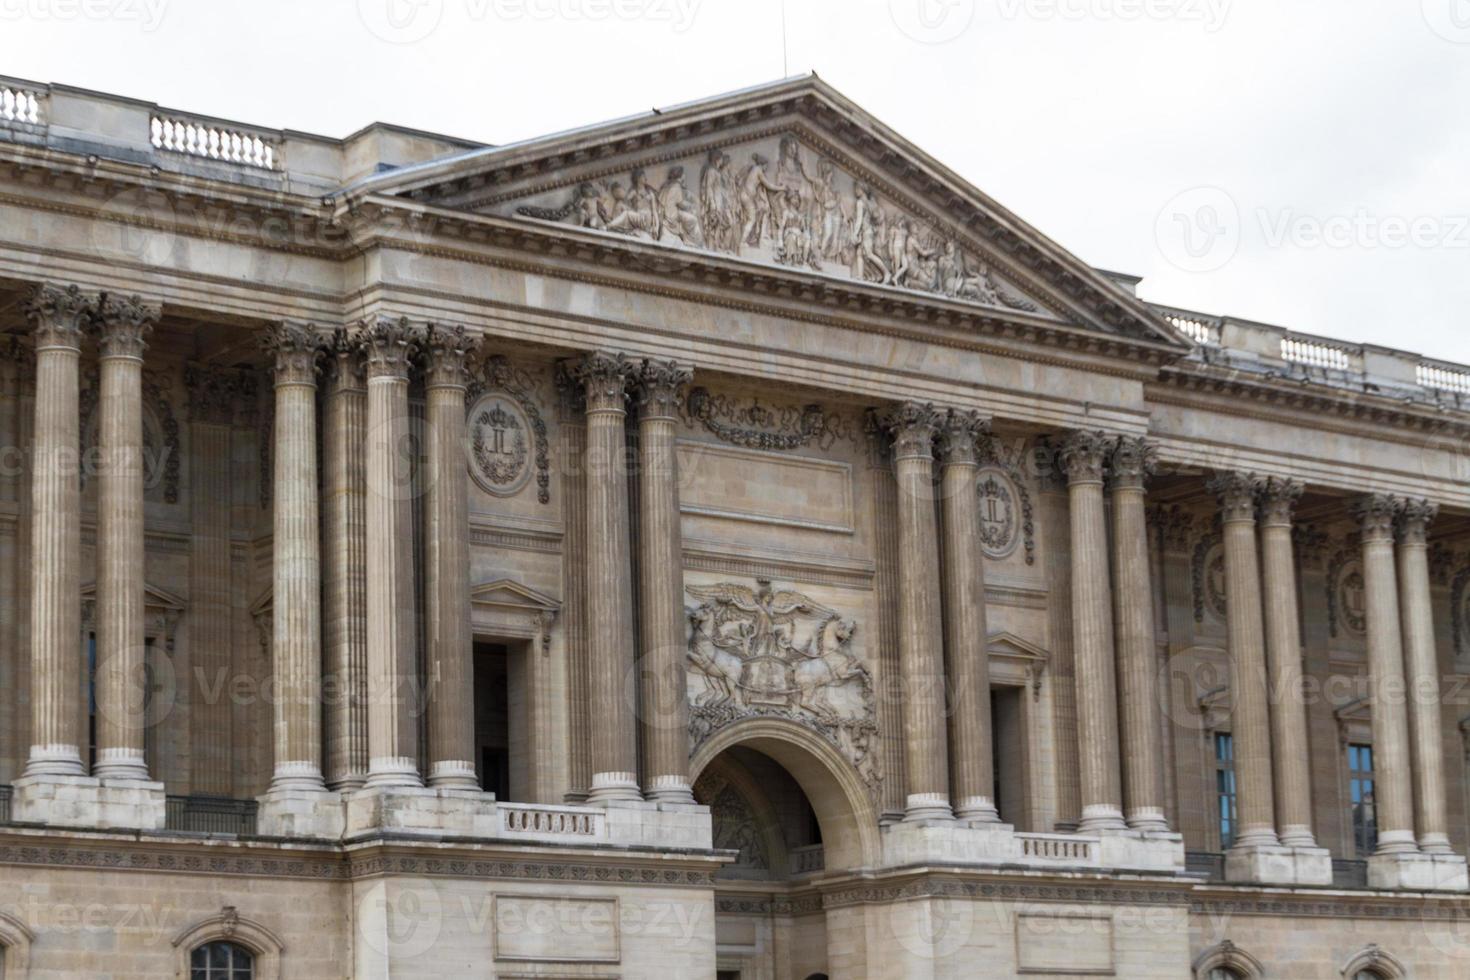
{"type": "Point", "coordinates": [1225, 973]}
{"type": "Point", "coordinates": [1227, 961]}
{"type": "Point", "coordinates": [15, 947]}
{"type": "Point", "coordinates": [1373, 962]}
{"type": "Point", "coordinates": [221, 961]}
{"type": "Point", "coordinates": [1369, 975]}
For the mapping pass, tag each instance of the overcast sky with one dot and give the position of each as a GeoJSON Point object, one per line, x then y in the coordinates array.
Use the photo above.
{"type": "Point", "coordinates": [1302, 163]}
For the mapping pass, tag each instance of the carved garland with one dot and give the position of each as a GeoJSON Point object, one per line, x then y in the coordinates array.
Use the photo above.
{"type": "Point", "coordinates": [756, 426]}
{"type": "Point", "coordinates": [497, 374]}
{"type": "Point", "coordinates": [1199, 574]}
{"type": "Point", "coordinates": [1337, 574]}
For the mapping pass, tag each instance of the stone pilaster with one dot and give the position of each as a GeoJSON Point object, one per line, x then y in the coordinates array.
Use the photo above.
{"type": "Point", "coordinates": [447, 564]}
{"type": "Point", "coordinates": [1289, 761]}
{"type": "Point", "coordinates": [967, 659]}
{"type": "Point", "coordinates": [913, 428]}
{"type": "Point", "coordinates": [1133, 613]}
{"type": "Point", "coordinates": [1421, 674]}
{"type": "Point", "coordinates": [59, 317]}
{"type": "Point", "coordinates": [1250, 718]}
{"type": "Point", "coordinates": [610, 644]}
{"type": "Point", "coordinates": [122, 326]}
{"type": "Point", "coordinates": [296, 563]}
{"type": "Point", "coordinates": [1083, 455]}
{"type": "Point", "coordinates": [388, 347]}
{"type": "Point", "coordinates": [665, 708]}
{"type": "Point", "coordinates": [344, 565]}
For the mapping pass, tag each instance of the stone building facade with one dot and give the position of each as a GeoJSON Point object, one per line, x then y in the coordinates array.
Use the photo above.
{"type": "Point", "coordinates": [718, 543]}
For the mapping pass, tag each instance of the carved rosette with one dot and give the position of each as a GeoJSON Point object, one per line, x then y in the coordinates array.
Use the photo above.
{"type": "Point", "coordinates": [1414, 518]}
{"type": "Point", "coordinates": [1083, 454]}
{"type": "Point", "coordinates": [961, 435]}
{"type": "Point", "coordinates": [212, 392]}
{"type": "Point", "coordinates": [447, 349]}
{"type": "Point", "coordinates": [388, 347]}
{"type": "Point", "coordinates": [912, 426]}
{"type": "Point", "coordinates": [1375, 514]}
{"type": "Point", "coordinates": [123, 324]}
{"type": "Point", "coordinates": [603, 377]}
{"type": "Point", "coordinates": [344, 360]}
{"type": "Point", "coordinates": [1133, 461]}
{"type": "Point", "coordinates": [1237, 494]}
{"type": "Point", "coordinates": [59, 314]}
{"type": "Point", "coordinates": [658, 385]}
{"type": "Point", "coordinates": [294, 348]}
{"type": "Point", "coordinates": [1278, 497]}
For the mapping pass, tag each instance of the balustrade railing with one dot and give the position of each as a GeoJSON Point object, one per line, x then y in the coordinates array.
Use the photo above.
{"type": "Point", "coordinates": [212, 141]}
{"type": "Point", "coordinates": [1056, 847]}
{"type": "Point", "coordinates": [20, 105]}
{"type": "Point", "coordinates": [210, 815]}
{"type": "Point", "coordinates": [552, 821]}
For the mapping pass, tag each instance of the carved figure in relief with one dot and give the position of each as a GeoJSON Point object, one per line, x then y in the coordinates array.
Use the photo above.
{"type": "Point", "coordinates": [677, 210]}
{"type": "Point", "coordinates": [796, 240]}
{"type": "Point", "coordinates": [716, 204]}
{"type": "Point", "coordinates": [755, 201]}
{"type": "Point", "coordinates": [829, 216]}
{"type": "Point", "coordinates": [867, 220]}
{"type": "Point", "coordinates": [637, 210]}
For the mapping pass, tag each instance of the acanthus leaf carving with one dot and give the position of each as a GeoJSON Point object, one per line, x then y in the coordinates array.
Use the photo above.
{"type": "Point", "coordinates": [754, 425]}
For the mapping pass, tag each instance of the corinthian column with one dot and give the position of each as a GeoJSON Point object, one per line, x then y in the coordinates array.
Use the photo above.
{"type": "Point", "coordinates": [967, 658]}
{"type": "Point", "coordinates": [447, 565]}
{"type": "Point", "coordinates": [1138, 695]}
{"type": "Point", "coordinates": [123, 326]}
{"type": "Point", "coordinates": [1422, 676]}
{"type": "Point", "coordinates": [296, 563]}
{"type": "Point", "coordinates": [344, 572]}
{"type": "Point", "coordinates": [661, 586]}
{"type": "Point", "coordinates": [920, 619]}
{"type": "Point", "coordinates": [1245, 636]}
{"type": "Point", "coordinates": [59, 316]}
{"type": "Point", "coordinates": [388, 347]}
{"type": "Point", "coordinates": [1395, 804]}
{"type": "Point", "coordinates": [1083, 456]}
{"type": "Point", "coordinates": [610, 645]}
{"type": "Point", "coordinates": [1289, 763]}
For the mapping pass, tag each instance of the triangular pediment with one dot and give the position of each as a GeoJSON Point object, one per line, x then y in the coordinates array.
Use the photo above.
{"type": "Point", "coordinates": [1005, 644]}
{"type": "Point", "coordinates": [154, 598]}
{"type": "Point", "coordinates": [793, 178]}
{"type": "Point", "coordinates": [507, 592]}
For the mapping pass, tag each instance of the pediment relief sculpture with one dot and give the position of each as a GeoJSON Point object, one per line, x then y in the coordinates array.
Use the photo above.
{"type": "Point", "coordinates": [777, 201]}
{"type": "Point", "coordinates": [776, 653]}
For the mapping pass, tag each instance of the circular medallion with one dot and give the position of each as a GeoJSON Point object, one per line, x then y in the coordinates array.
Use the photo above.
{"type": "Point", "coordinates": [500, 444]}
{"type": "Point", "coordinates": [1352, 604]}
{"type": "Point", "coordinates": [999, 527]}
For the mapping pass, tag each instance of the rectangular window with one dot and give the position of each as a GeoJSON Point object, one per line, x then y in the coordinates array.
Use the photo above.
{"type": "Point", "coordinates": [1360, 798]}
{"type": "Point", "coordinates": [1225, 787]}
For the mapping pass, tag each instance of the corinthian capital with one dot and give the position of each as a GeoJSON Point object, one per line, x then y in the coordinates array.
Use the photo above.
{"type": "Point", "coordinates": [447, 349]}
{"type": "Point", "coordinates": [1375, 513]}
{"type": "Point", "coordinates": [295, 347]}
{"type": "Point", "coordinates": [657, 386]}
{"type": "Point", "coordinates": [59, 315]}
{"type": "Point", "coordinates": [123, 324]}
{"type": "Point", "coordinates": [1414, 518]}
{"type": "Point", "coordinates": [344, 360]}
{"type": "Point", "coordinates": [960, 436]}
{"type": "Point", "coordinates": [1083, 454]}
{"type": "Point", "coordinates": [912, 426]}
{"type": "Point", "coordinates": [1133, 462]}
{"type": "Point", "coordinates": [388, 347]}
{"type": "Point", "coordinates": [1278, 499]}
{"type": "Point", "coordinates": [603, 377]}
{"type": "Point", "coordinates": [1237, 495]}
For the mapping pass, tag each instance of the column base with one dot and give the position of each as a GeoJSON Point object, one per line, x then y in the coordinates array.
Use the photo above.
{"type": "Point", "coordinates": [670, 789]}
{"type": "Point", "coordinates": [454, 775]}
{"type": "Point", "coordinates": [1147, 819]}
{"type": "Point", "coordinates": [1277, 864]}
{"type": "Point", "coordinates": [1418, 872]}
{"type": "Point", "coordinates": [612, 787]}
{"type": "Point", "coordinates": [295, 811]}
{"type": "Point", "coordinates": [927, 806]}
{"type": "Point", "coordinates": [1098, 817]}
{"type": "Point", "coordinates": [977, 809]}
{"type": "Point", "coordinates": [393, 771]}
{"type": "Point", "coordinates": [87, 801]}
{"type": "Point", "coordinates": [430, 811]}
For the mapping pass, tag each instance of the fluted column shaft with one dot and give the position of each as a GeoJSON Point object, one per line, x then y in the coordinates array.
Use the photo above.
{"type": "Point", "coordinates": [388, 347]}
{"type": "Point", "coordinates": [920, 618]}
{"type": "Point", "coordinates": [1289, 758]}
{"type": "Point", "coordinates": [447, 565]}
{"type": "Point", "coordinates": [967, 658]}
{"type": "Point", "coordinates": [1421, 668]}
{"type": "Point", "coordinates": [610, 643]}
{"type": "Point", "coordinates": [665, 710]}
{"type": "Point", "coordinates": [1138, 695]}
{"type": "Point", "coordinates": [1245, 636]}
{"type": "Point", "coordinates": [344, 571]}
{"type": "Point", "coordinates": [123, 326]}
{"type": "Point", "coordinates": [59, 316]}
{"type": "Point", "coordinates": [1391, 783]}
{"type": "Point", "coordinates": [296, 563]}
{"type": "Point", "coordinates": [1083, 457]}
